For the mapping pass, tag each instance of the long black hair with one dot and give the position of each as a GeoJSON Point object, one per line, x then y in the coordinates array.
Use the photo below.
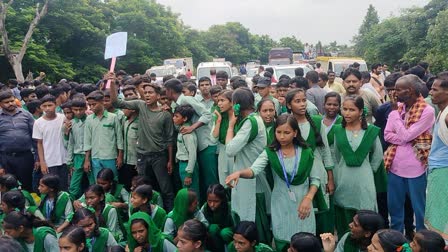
{"type": "Point", "coordinates": [144, 191]}
{"type": "Point", "coordinates": [292, 122]}
{"type": "Point", "coordinates": [77, 236]}
{"type": "Point", "coordinates": [391, 239]}
{"type": "Point", "coordinates": [304, 241]}
{"type": "Point", "coordinates": [15, 219]}
{"type": "Point", "coordinates": [194, 231]}
{"type": "Point", "coordinates": [289, 97]}
{"type": "Point", "coordinates": [430, 241]}
{"type": "Point", "coordinates": [14, 199]}
{"type": "Point", "coordinates": [248, 230]}
{"type": "Point", "coordinates": [99, 191]}
{"type": "Point", "coordinates": [9, 181]}
{"type": "Point", "coordinates": [108, 175]}
{"type": "Point", "coordinates": [83, 213]}
{"type": "Point", "coordinates": [370, 221]}
{"type": "Point", "coordinates": [359, 103]}
{"type": "Point", "coordinates": [53, 182]}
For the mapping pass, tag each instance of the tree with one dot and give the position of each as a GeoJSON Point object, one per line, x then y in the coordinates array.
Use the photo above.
{"type": "Point", "coordinates": [291, 42]}
{"type": "Point", "coordinates": [15, 58]}
{"type": "Point", "coordinates": [438, 38]}
{"type": "Point", "coordinates": [370, 20]}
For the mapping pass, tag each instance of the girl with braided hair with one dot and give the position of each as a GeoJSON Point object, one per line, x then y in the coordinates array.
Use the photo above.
{"type": "Point", "coordinates": [358, 156]}
{"type": "Point", "coordinates": [314, 134]}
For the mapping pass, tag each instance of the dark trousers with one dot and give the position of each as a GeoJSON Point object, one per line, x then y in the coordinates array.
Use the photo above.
{"type": "Point", "coordinates": [21, 165]}
{"type": "Point", "coordinates": [125, 175]}
{"type": "Point", "coordinates": [153, 166]}
{"type": "Point", "coordinates": [62, 172]}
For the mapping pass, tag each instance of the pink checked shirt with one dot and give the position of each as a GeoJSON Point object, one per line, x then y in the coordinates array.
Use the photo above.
{"type": "Point", "coordinates": [405, 163]}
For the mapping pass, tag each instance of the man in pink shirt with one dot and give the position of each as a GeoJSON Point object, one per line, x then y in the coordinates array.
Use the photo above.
{"type": "Point", "coordinates": [408, 129]}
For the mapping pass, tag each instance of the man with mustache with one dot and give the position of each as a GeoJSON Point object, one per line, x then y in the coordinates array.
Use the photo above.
{"type": "Point", "coordinates": [16, 142]}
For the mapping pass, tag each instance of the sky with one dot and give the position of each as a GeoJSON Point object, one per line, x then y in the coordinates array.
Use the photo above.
{"type": "Point", "coordinates": [308, 20]}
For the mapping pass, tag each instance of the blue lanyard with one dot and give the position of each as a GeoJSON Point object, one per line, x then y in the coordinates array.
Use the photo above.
{"type": "Point", "coordinates": [295, 168]}
{"type": "Point", "coordinates": [48, 208]}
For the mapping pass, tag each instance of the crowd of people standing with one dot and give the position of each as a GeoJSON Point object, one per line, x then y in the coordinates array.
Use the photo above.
{"type": "Point", "coordinates": [292, 164]}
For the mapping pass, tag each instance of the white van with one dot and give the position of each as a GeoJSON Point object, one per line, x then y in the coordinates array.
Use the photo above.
{"type": "Point", "coordinates": [205, 67]}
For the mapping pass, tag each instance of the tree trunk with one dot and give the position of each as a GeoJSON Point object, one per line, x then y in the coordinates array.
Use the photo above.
{"type": "Point", "coordinates": [17, 67]}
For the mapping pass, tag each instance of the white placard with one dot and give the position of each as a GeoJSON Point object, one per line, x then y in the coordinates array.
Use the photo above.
{"type": "Point", "coordinates": [116, 45]}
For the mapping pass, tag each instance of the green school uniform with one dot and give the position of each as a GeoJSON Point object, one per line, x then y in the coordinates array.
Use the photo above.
{"type": "Point", "coordinates": [285, 221]}
{"type": "Point", "coordinates": [207, 158]}
{"type": "Point", "coordinates": [130, 141]}
{"type": "Point", "coordinates": [251, 197]}
{"type": "Point", "coordinates": [358, 157]}
{"type": "Point", "coordinates": [322, 155]}
{"type": "Point", "coordinates": [157, 241]}
{"type": "Point", "coordinates": [180, 214]}
{"type": "Point", "coordinates": [187, 146]}
{"type": "Point", "coordinates": [225, 163]}
{"type": "Point", "coordinates": [76, 156]}
{"type": "Point", "coordinates": [103, 136]}
{"type": "Point", "coordinates": [57, 213]}
{"type": "Point", "coordinates": [222, 222]}
{"type": "Point", "coordinates": [40, 235]}
{"type": "Point", "coordinates": [112, 222]}
{"type": "Point", "coordinates": [101, 242]}
{"type": "Point", "coordinates": [325, 220]}
{"type": "Point", "coordinates": [158, 215]}
{"type": "Point", "coordinates": [260, 247]}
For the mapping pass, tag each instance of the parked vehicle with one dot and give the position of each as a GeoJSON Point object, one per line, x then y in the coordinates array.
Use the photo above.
{"type": "Point", "coordinates": [339, 64]}
{"type": "Point", "coordinates": [161, 71]}
{"type": "Point", "coordinates": [280, 56]}
{"type": "Point", "coordinates": [205, 67]}
{"type": "Point", "coordinates": [181, 64]}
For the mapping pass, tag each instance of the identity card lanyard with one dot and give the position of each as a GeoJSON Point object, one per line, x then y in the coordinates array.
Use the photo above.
{"type": "Point", "coordinates": [292, 196]}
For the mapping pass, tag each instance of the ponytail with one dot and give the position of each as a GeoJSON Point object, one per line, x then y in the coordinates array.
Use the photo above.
{"type": "Point", "coordinates": [318, 136]}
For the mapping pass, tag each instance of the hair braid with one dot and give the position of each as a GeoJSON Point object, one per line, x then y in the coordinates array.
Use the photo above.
{"type": "Point", "coordinates": [319, 141]}
{"type": "Point", "coordinates": [364, 124]}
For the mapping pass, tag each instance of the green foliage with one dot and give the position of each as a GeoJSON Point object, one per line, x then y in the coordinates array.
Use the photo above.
{"type": "Point", "coordinates": [417, 34]}
{"type": "Point", "coordinates": [291, 42]}
{"type": "Point", "coordinates": [438, 38]}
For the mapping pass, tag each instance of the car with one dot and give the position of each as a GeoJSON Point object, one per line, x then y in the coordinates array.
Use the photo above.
{"type": "Point", "coordinates": [289, 70]}
{"type": "Point", "coordinates": [162, 71]}
{"type": "Point", "coordinates": [203, 69]}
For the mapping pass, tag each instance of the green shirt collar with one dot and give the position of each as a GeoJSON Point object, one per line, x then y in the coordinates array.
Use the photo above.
{"type": "Point", "coordinates": [82, 119]}
{"type": "Point", "coordinates": [105, 114]}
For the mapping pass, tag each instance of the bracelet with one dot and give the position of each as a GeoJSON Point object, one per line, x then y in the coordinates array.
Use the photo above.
{"type": "Point", "coordinates": [308, 197]}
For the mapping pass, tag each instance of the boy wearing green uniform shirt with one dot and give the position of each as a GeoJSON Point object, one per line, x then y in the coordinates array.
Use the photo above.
{"type": "Point", "coordinates": [187, 148]}
{"type": "Point", "coordinates": [264, 85]}
{"type": "Point", "coordinates": [110, 108]}
{"type": "Point", "coordinates": [130, 127]}
{"type": "Point", "coordinates": [103, 137]}
{"type": "Point", "coordinates": [75, 149]}
{"type": "Point", "coordinates": [200, 124]}
{"type": "Point", "coordinates": [27, 95]}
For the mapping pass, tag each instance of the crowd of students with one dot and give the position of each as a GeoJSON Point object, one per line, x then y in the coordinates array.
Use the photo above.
{"type": "Point", "coordinates": [193, 166]}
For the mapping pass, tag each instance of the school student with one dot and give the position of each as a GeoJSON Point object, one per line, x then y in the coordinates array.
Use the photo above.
{"type": "Point", "coordinates": [200, 124]}
{"type": "Point", "coordinates": [245, 239]}
{"type": "Point", "coordinates": [76, 153]}
{"type": "Point", "coordinates": [389, 240]}
{"type": "Point", "coordinates": [27, 95]}
{"type": "Point", "coordinates": [15, 201]}
{"type": "Point", "coordinates": [8, 182]}
{"type": "Point", "coordinates": [192, 237]}
{"type": "Point", "coordinates": [56, 204]}
{"type": "Point", "coordinates": [296, 181]}
{"type": "Point", "coordinates": [364, 225]}
{"type": "Point", "coordinates": [187, 145]}
{"type": "Point", "coordinates": [105, 213]}
{"type": "Point", "coordinates": [103, 137]}
{"type": "Point", "coordinates": [266, 110]}
{"type": "Point", "coordinates": [73, 239]}
{"type": "Point", "coordinates": [130, 128]}
{"type": "Point", "coordinates": [141, 201]}
{"type": "Point", "coordinates": [33, 234]}
{"type": "Point", "coordinates": [312, 132]}
{"type": "Point", "coordinates": [304, 241]}
{"type": "Point", "coordinates": [185, 208]}
{"type": "Point", "coordinates": [155, 143]}
{"type": "Point", "coordinates": [245, 141]}
{"type": "Point", "coordinates": [34, 108]}
{"type": "Point", "coordinates": [219, 215]}
{"type": "Point", "coordinates": [359, 156]}
{"type": "Point", "coordinates": [143, 235]}
{"type": "Point", "coordinates": [98, 238]}
{"type": "Point", "coordinates": [110, 107]}
{"type": "Point", "coordinates": [48, 130]}
{"type": "Point", "coordinates": [219, 132]}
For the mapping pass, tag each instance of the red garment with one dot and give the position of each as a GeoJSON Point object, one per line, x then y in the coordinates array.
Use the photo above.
{"type": "Point", "coordinates": [189, 74]}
